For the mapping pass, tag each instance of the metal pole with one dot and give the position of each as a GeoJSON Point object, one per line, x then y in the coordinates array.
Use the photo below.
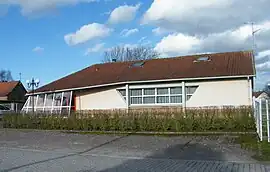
{"type": "Point", "coordinates": [33, 103]}
{"type": "Point", "coordinates": [260, 121]}
{"type": "Point", "coordinates": [267, 117]}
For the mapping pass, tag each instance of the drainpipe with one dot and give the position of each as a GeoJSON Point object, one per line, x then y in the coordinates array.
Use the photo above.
{"type": "Point", "coordinates": [183, 96]}
{"type": "Point", "coordinates": [250, 89]}
{"type": "Point", "coordinates": [127, 97]}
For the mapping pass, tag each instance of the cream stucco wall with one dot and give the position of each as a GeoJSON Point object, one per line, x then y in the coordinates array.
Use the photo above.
{"type": "Point", "coordinates": [221, 93]}
{"type": "Point", "coordinates": [108, 98]}
{"type": "Point", "coordinates": [209, 93]}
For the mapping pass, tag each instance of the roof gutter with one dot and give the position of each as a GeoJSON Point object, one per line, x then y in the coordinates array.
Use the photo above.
{"type": "Point", "coordinates": [147, 81]}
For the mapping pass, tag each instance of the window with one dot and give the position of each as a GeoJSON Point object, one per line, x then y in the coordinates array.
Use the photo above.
{"type": "Point", "coordinates": [162, 91]}
{"type": "Point", "coordinates": [149, 100]}
{"type": "Point", "coordinates": [190, 90]}
{"type": "Point", "coordinates": [136, 92]}
{"type": "Point", "coordinates": [152, 96]}
{"type": "Point", "coordinates": [66, 99]}
{"type": "Point", "coordinates": [149, 91]}
{"type": "Point", "coordinates": [40, 102]}
{"type": "Point", "coordinates": [136, 100]}
{"type": "Point", "coordinates": [57, 99]}
{"type": "Point", "coordinates": [54, 102]}
{"type": "Point", "coordinates": [123, 93]}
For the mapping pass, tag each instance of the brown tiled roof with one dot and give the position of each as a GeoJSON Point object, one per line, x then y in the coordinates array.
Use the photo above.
{"type": "Point", "coordinates": [7, 87]}
{"type": "Point", "coordinates": [220, 64]}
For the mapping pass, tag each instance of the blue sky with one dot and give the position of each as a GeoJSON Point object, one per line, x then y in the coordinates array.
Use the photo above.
{"type": "Point", "coordinates": [48, 40]}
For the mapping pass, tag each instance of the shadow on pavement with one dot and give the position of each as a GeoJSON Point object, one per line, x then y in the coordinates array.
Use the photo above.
{"type": "Point", "coordinates": [188, 157]}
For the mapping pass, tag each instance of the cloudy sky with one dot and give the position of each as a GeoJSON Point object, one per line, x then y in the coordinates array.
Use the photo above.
{"type": "Point", "coordinates": [48, 39]}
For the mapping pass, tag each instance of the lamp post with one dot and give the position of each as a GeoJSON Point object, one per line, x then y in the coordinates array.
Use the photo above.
{"type": "Point", "coordinates": [32, 84]}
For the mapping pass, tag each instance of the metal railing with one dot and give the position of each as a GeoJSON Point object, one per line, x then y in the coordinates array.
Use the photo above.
{"type": "Point", "coordinates": [261, 116]}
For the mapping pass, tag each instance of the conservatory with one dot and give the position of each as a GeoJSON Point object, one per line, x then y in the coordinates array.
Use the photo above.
{"type": "Point", "coordinates": [60, 103]}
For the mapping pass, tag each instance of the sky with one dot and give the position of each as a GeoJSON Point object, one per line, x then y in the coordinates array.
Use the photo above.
{"type": "Point", "coordinates": [49, 39]}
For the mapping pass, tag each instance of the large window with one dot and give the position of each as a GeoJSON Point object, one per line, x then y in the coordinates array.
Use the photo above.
{"type": "Point", "coordinates": [151, 96]}
{"type": "Point", "coordinates": [53, 102]}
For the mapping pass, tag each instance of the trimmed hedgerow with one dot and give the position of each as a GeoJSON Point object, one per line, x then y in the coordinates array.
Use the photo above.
{"type": "Point", "coordinates": [228, 119]}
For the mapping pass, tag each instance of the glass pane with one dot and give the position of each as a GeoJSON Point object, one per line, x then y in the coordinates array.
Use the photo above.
{"type": "Point", "coordinates": [136, 100]}
{"type": "Point", "coordinates": [47, 109]}
{"type": "Point", "coordinates": [31, 101]}
{"type": "Point", "coordinates": [162, 91]}
{"type": "Point", "coordinates": [176, 90]}
{"type": "Point", "coordinates": [56, 110]}
{"type": "Point", "coordinates": [149, 100]}
{"type": "Point", "coordinates": [149, 91]}
{"type": "Point", "coordinates": [191, 90]}
{"type": "Point", "coordinates": [66, 99]}
{"type": "Point", "coordinates": [41, 99]}
{"type": "Point", "coordinates": [136, 92]}
{"type": "Point", "coordinates": [162, 99]}
{"type": "Point", "coordinates": [176, 99]}
{"type": "Point", "coordinates": [65, 111]}
{"type": "Point", "coordinates": [122, 92]}
{"type": "Point", "coordinates": [49, 100]}
{"type": "Point", "coordinates": [57, 99]}
{"type": "Point", "coordinates": [39, 109]}
{"type": "Point", "coordinates": [188, 97]}
{"type": "Point", "coordinates": [27, 103]}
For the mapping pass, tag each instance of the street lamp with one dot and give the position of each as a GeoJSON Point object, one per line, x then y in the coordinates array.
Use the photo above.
{"type": "Point", "coordinates": [32, 84]}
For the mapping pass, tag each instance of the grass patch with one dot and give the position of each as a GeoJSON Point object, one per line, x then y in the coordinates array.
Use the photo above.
{"type": "Point", "coordinates": [250, 142]}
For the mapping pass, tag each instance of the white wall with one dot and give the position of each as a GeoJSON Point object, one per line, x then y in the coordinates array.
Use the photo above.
{"type": "Point", "coordinates": [220, 93]}
{"type": "Point", "coordinates": [209, 93]}
{"type": "Point", "coordinates": [100, 99]}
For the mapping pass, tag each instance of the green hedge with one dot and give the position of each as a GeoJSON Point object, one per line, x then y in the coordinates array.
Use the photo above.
{"type": "Point", "coordinates": [225, 119]}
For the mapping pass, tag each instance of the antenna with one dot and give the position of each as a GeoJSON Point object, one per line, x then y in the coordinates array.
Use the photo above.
{"type": "Point", "coordinates": [253, 35]}
{"type": "Point", "coordinates": [20, 76]}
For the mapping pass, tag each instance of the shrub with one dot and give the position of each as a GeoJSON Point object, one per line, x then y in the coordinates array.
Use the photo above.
{"type": "Point", "coordinates": [209, 119]}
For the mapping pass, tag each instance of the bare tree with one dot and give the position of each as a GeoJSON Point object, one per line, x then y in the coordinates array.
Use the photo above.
{"type": "Point", "coordinates": [5, 75]}
{"type": "Point", "coordinates": [121, 53]}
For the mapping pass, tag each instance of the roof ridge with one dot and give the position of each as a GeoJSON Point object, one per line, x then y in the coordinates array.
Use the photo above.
{"type": "Point", "coordinates": [174, 57]}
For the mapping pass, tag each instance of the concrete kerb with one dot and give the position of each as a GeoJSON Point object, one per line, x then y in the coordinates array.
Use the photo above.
{"type": "Point", "coordinates": [133, 133]}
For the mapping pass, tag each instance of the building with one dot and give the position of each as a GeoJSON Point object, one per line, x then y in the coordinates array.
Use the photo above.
{"type": "Point", "coordinates": [261, 95]}
{"type": "Point", "coordinates": [221, 79]}
{"type": "Point", "coordinates": [12, 95]}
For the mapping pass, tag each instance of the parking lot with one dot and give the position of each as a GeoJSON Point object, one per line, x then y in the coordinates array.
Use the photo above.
{"type": "Point", "coordinates": [57, 151]}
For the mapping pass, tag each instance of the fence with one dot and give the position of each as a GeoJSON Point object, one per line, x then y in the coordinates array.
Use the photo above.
{"type": "Point", "coordinates": [261, 115]}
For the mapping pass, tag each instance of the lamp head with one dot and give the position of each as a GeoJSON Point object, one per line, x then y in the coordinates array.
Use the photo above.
{"type": "Point", "coordinates": [27, 82]}
{"type": "Point", "coordinates": [37, 81]}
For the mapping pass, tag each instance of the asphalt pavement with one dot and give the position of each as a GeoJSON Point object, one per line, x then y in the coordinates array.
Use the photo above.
{"type": "Point", "coordinates": [25, 150]}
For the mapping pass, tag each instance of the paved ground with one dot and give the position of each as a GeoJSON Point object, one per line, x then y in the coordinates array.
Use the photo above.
{"type": "Point", "coordinates": [55, 151]}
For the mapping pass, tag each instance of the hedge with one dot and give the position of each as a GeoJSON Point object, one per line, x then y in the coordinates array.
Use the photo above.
{"type": "Point", "coordinates": [192, 120]}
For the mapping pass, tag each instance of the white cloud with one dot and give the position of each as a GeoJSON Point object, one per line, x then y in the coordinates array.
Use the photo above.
{"type": "Point", "coordinates": [230, 40]}
{"type": "Point", "coordinates": [204, 17]}
{"type": "Point", "coordinates": [38, 49]}
{"type": "Point", "coordinates": [33, 6]}
{"type": "Point", "coordinates": [95, 49]}
{"type": "Point", "coordinates": [128, 32]}
{"type": "Point", "coordinates": [177, 43]}
{"type": "Point", "coordinates": [123, 14]}
{"type": "Point", "coordinates": [86, 33]}
{"type": "Point", "coordinates": [160, 31]}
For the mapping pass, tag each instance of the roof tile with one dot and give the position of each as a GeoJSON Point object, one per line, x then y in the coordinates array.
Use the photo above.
{"type": "Point", "coordinates": [220, 64]}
